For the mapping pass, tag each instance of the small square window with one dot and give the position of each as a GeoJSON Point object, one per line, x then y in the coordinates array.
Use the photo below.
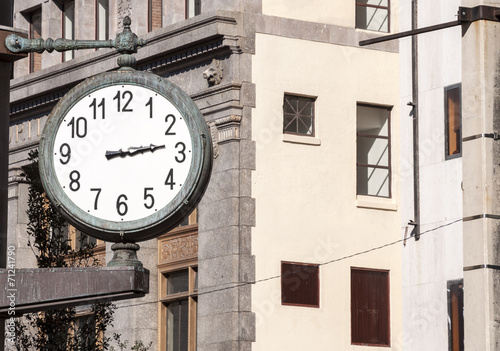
{"type": "Point", "coordinates": [372, 15]}
{"type": "Point", "coordinates": [299, 284]}
{"type": "Point", "coordinates": [298, 115]}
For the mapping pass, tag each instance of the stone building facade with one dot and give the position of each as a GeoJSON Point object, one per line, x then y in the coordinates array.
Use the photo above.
{"type": "Point", "coordinates": [290, 238]}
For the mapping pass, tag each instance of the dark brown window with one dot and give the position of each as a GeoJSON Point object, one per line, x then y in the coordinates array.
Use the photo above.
{"type": "Point", "coordinates": [299, 284]}
{"type": "Point", "coordinates": [298, 115]}
{"type": "Point", "coordinates": [456, 315]}
{"type": "Point", "coordinates": [35, 31]}
{"type": "Point", "coordinates": [155, 15]}
{"type": "Point", "coordinates": [373, 15]}
{"type": "Point", "coordinates": [370, 307]}
{"type": "Point", "coordinates": [373, 150]}
{"type": "Point", "coordinates": [453, 121]}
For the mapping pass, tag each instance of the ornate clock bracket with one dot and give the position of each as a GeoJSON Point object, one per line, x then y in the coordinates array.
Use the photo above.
{"type": "Point", "coordinates": [125, 254]}
{"type": "Point", "coordinates": [126, 43]}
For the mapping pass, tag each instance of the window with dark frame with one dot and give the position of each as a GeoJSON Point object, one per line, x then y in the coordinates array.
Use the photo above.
{"type": "Point", "coordinates": [299, 284]}
{"type": "Point", "coordinates": [35, 31]}
{"type": "Point", "coordinates": [155, 13]}
{"type": "Point", "coordinates": [193, 8]}
{"type": "Point", "coordinates": [298, 115]}
{"type": "Point", "coordinates": [179, 300]}
{"type": "Point", "coordinates": [102, 20]}
{"type": "Point", "coordinates": [373, 15]}
{"type": "Point", "coordinates": [373, 150]}
{"type": "Point", "coordinates": [453, 121]}
{"type": "Point", "coordinates": [455, 315]}
{"type": "Point", "coordinates": [370, 307]}
{"type": "Point", "coordinates": [68, 26]}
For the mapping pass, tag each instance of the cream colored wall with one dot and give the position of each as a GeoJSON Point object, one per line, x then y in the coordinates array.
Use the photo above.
{"type": "Point", "coordinates": [338, 12]}
{"type": "Point", "coordinates": [305, 194]}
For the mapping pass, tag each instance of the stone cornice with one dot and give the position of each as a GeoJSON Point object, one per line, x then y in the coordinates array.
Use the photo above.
{"type": "Point", "coordinates": [185, 41]}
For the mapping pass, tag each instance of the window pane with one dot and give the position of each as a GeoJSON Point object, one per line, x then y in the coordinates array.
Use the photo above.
{"type": "Point", "coordinates": [370, 307]}
{"type": "Point", "coordinates": [35, 32]}
{"type": "Point", "coordinates": [456, 315]}
{"type": "Point", "coordinates": [453, 122]}
{"type": "Point", "coordinates": [372, 15]}
{"type": "Point", "coordinates": [155, 14]}
{"type": "Point", "coordinates": [372, 181]}
{"type": "Point", "coordinates": [298, 115]}
{"type": "Point", "coordinates": [178, 326]}
{"type": "Point", "coordinates": [373, 151]}
{"type": "Point", "coordinates": [102, 19]}
{"type": "Point", "coordinates": [178, 282]}
{"type": "Point", "coordinates": [68, 26]}
{"type": "Point", "coordinates": [299, 284]}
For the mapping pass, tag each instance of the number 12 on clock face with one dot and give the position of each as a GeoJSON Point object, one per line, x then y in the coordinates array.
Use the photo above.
{"type": "Point", "coordinates": [122, 152]}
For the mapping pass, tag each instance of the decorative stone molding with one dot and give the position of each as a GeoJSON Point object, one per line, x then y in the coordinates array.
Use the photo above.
{"type": "Point", "coordinates": [215, 136]}
{"type": "Point", "coordinates": [177, 249]}
{"type": "Point", "coordinates": [214, 74]}
{"type": "Point", "coordinates": [228, 128]}
{"type": "Point", "coordinates": [181, 56]}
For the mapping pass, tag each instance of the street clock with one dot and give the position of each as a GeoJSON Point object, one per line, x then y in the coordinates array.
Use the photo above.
{"type": "Point", "coordinates": [125, 156]}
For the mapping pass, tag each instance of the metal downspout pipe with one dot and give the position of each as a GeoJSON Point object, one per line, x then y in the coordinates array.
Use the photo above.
{"type": "Point", "coordinates": [414, 114]}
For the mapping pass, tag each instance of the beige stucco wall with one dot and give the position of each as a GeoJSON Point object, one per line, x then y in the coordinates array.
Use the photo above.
{"type": "Point", "coordinates": [306, 205]}
{"type": "Point", "coordinates": [338, 12]}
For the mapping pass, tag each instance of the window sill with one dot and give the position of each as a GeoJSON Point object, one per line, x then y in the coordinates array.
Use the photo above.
{"type": "Point", "coordinates": [299, 139]}
{"type": "Point", "coordinates": [376, 203]}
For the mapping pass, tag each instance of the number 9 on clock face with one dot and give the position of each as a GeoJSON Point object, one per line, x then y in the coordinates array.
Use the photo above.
{"type": "Point", "coordinates": [122, 152]}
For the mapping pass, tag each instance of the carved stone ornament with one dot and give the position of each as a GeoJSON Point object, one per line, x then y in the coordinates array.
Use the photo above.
{"type": "Point", "coordinates": [179, 249]}
{"type": "Point", "coordinates": [214, 74]}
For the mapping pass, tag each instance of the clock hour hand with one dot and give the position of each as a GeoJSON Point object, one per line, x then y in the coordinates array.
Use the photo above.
{"type": "Point", "coordinates": [131, 151]}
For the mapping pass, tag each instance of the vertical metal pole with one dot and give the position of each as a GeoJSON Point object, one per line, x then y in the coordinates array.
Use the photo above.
{"type": "Point", "coordinates": [416, 156]}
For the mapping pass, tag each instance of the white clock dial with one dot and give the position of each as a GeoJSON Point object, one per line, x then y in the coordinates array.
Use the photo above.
{"type": "Point", "coordinates": [122, 153]}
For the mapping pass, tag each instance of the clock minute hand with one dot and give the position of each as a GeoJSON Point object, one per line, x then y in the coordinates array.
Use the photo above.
{"type": "Point", "coordinates": [132, 151]}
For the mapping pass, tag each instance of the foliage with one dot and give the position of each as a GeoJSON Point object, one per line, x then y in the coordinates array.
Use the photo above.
{"type": "Point", "coordinates": [138, 345]}
{"type": "Point", "coordinates": [57, 329]}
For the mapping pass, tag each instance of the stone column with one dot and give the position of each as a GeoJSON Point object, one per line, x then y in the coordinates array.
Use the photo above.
{"type": "Point", "coordinates": [481, 181]}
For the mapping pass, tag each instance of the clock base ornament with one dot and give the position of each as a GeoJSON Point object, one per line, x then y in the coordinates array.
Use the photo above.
{"type": "Point", "coordinates": [125, 254]}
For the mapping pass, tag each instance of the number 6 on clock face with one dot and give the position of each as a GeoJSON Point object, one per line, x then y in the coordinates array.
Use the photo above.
{"type": "Point", "coordinates": [123, 156]}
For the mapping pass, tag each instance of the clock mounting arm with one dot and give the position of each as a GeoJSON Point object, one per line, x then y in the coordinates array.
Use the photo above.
{"type": "Point", "coordinates": [126, 43]}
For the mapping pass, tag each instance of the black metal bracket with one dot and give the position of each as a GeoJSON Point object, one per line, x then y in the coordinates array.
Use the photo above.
{"type": "Point", "coordinates": [466, 15]}
{"type": "Point", "coordinates": [478, 13]}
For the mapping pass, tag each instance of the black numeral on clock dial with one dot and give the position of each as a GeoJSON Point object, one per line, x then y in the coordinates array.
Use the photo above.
{"type": "Point", "coordinates": [127, 98]}
{"type": "Point", "coordinates": [94, 106]}
{"type": "Point", "coordinates": [74, 183]}
{"type": "Point", "coordinates": [121, 205]}
{"type": "Point", "coordinates": [181, 152]}
{"type": "Point", "coordinates": [98, 192]}
{"type": "Point", "coordinates": [150, 104]}
{"type": "Point", "coordinates": [65, 151]}
{"type": "Point", "coordinates": [170, 179]}
{"type": "Point", "coordinates": [148, 197]}
{"type": "Point", "coordinates": [78, 127]}
{"type": "Point", "coordinates": [170, 119]}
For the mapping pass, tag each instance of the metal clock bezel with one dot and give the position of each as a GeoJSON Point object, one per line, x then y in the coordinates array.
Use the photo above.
{"type": "Point", "coordinates": [165, 218]}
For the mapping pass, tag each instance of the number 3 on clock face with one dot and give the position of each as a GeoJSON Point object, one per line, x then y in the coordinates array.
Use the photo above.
{"type": "Point", "coordinates": [122, 152]}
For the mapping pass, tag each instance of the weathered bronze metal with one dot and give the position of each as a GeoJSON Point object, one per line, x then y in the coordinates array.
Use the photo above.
{"type": "Point", "coordinates": [125, 43]}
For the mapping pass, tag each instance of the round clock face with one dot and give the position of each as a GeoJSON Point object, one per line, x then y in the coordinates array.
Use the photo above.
{"type": "Point", "coordinates": [125, 156]}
